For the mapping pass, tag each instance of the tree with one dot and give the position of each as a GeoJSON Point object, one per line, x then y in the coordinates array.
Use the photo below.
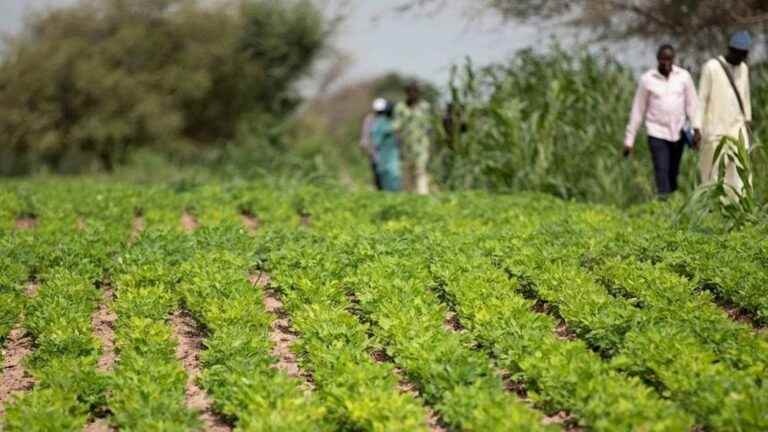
{"type": "Point", "coordinates": [699, 25]}
{"type": "Point", "coordinates": [103, 77]}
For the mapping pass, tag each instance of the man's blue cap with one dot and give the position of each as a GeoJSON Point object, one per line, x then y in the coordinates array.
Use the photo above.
{"type": "Point", "coordinates": [741, 41]}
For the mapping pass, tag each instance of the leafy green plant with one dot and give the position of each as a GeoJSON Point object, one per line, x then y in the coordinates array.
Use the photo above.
{"type": "Point", "coordinates": [736, 207]}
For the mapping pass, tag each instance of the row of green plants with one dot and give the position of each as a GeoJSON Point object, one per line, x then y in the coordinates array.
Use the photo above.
{"type": "Point", "coordinates": [335, 346]}
{"type": "Point", "coordinates": [148, 384]}
{"type": "Point", "coordinates": [649, 343]}
{"type": "Point", "coordinates": [615, 318]}
{"type": "Point", "coordinates": [558, 374]}
{"type": "Point", "coordinates": [239, 372]}
{"type": "Point", "coordinates": [66, 265]}
{"type": "Point", "coordinates": [59, 321]}
{"type": "Point", "coordinates": [462, 383]}
{"type": "Point", "coordinates": [666, 294]}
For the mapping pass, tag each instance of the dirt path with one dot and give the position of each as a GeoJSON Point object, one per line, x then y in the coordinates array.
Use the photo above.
{"type": "Point", "coordinates": [433, 420]}
{"type": "Point", "coordinates": [452, 323]}
{"type": "Point", "coordinates": [14, 379]}
{"type": "Point", "coordinates": [137, 227]}
{"type": "Point", "coordinates": [740, 315]}
{"type": "Point", "coordinates": [18, 346]}
{"type": "Point", "coordinates": [99, 425]}
{"type": "Point", "coordinates": [189, 222]}
{"type": "Point", "coordinates": [190, 344]}
{"type": "Point", "coordinates": [30, 290]}
{"type": "Point", "coordinates": [26, 223]}
{"type": "Point", "coordinates": [103, 321]}
{"type": "Point", "coordinates": [281, 334]}
{"type": "Point", "coordinates": [251, 222]}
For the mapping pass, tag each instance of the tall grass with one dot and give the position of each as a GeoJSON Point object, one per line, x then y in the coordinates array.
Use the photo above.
{"type": "Point", "coordinates": [553, 123]}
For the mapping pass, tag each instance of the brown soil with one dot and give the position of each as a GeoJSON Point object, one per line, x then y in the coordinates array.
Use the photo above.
{"type": "Point", "coordinates": [103, 321]}
{"type": "Point", "coordinates": [433, 420]}
{"type": "Point", "coordinates": [98, 425]}
{"type": "Point", "coordinates": [741, 315]}
{"type": "Point", "coordinates": [262, 280]}
{"type": "Point", "coordinates": [190, 344]}
{"type": "Point", "coordinates": [564, 333]}
{"type": "Point", "coordinates": [514, 386]}
{"type": "Point", "coordinates": [80, 224]}
{"type": "Point", "coordinates": [563, 419]}
{"type": "Point", "coordinates": [561, 331]}
{"type": "Point", "coordinates": [541, 307]}
{"type": "Point", "coordinates": [452, 322]}
{"type": "Point", "coordinates": [306, 220]}
{"type": "Point", "coordinates": [281, 333]}
{"type": "Point", "coordinates": [251, 222]}
{"type": "Point", "coordinates": [137, 227]}
{"type": "Point", "coordinates": [31, 289]}
{"type": "Point", "coordinates": [189, 222]}
{"type": "Point", "coordinates": [26, 222]}
{"type": "Point", "coordinates": [14, 379]}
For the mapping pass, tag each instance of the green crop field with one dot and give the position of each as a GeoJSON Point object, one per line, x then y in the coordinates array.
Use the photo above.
{"type": "Point", "coordinates": [263, 308]}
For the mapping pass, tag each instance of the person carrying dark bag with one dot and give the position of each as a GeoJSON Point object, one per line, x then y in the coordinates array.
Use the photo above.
{"type": "Point", "coordinates": [666, 99]}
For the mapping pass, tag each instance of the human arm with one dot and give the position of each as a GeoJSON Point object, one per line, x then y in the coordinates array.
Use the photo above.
{"type": "Point", "coordinates": [748, 100]}
{"type": "Point", "coordinates": [365, 137]}
{"type": "Point", "coordinates": [705, 89]}
{"type": "Point", "coordinates": [691, 99]}
{"type": "Point", "coordinates": [639, 108]}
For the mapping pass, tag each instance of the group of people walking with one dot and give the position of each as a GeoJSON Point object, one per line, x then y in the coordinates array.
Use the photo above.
{"type": "Point", "coordinates": [677, 116]}
{"type": "Point", "coordinates": [396, 138]}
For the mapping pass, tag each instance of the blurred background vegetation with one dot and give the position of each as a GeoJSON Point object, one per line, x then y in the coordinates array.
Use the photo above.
{"type": "Point", "coordinates": [152, 90]}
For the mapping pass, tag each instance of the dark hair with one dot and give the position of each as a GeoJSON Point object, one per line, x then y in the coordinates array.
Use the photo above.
{"type": "Point", "coordinates": [390, 111]}
{"type": "Point", "coordinates": [665, 47]}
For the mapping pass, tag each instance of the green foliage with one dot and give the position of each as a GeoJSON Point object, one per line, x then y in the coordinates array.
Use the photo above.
{"type": "Point", "coordinates": [553, 122]}
{"type": "Point", "coordinates": [614, 318]}
{"type": "Point", "coordinates": [735, 207]}
{"type": "Point", "coordinates": [87, 84]}
{"type": "Point", "coordinates": [64, 361]}
{"type": "Point", "coordinates": [239, 372]}
{"type": "Point", "coordinates": [546, 122]}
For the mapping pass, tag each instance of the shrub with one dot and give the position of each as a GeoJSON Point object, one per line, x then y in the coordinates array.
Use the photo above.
{"type": "Point", "coordinates": [94, 81]}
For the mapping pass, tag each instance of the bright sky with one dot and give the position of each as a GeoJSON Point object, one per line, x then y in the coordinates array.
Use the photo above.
{"type": "Point", "coordinates": [380, 40]}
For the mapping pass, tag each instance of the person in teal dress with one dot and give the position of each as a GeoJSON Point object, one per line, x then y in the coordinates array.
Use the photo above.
{"type": "Point", "coordinates": [384, 137]}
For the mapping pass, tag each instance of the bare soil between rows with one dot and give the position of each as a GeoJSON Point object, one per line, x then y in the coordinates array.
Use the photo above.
{"type": "Point", "coordinates": [563, 419]}
{"type": "Point", "coordinates": [190, 345]}
{"type": "Point", "coordinates": [138, 224]}
{"type": "Point", "coordinates": [103, 322]}
{"type": "Point", "coordinates": [281, 333]}
{"type": "Point", "coordinates": [433, 420]}
{"type": "Point", "coordinates": [189, 222]}
{"type": "Point", "coordinates": [18, 345]}
{"type": "Point", "coordinates": [98, 425]}
{"type": "Point", "coordinates": [15, 379]}
{"type": "Point", "coordinates": [26, 223]}
{"type": "Point", "coordinates": [251, 222]}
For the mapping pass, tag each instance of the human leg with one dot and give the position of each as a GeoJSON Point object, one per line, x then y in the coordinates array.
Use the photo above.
{"type": "Point", "coordinates": [662, 157]}
{"type": "Point", "coordinates": [676, 150]}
